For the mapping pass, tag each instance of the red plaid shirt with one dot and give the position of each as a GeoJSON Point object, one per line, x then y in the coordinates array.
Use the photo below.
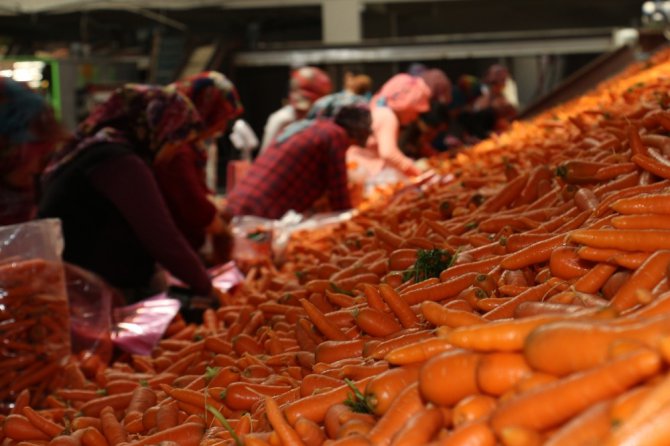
{"type": "Point", "coordinates": [295, 173]}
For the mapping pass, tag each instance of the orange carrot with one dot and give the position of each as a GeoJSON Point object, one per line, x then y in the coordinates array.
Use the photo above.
{"type": "Point", "coordinates": [406, 403]}
{"type": "Point", "coordinates": [645, 277]}
{"type": "Point", "coordinates": [560, 400]}
{"type": "Point", "coordinates": [399, 306]}
{"type": "Point", "coordinates": [450, 376]}
{"type": "Point", "coordinates": [285, 432]}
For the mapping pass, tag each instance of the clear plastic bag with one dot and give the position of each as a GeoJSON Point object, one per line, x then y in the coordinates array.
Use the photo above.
{"type": "Point", "coordinates": [91, 300]}
{"type": "Point", "coordinates": [138, 327]}
{"type": "Point", "coordinates": [34, 316]}
{"type": "Point", "coordinates": [252, 241]}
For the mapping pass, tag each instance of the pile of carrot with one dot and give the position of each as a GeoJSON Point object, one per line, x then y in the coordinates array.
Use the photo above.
{"type": "Point", "coordinates": [34, 328]}
{"type": "Point", "coordinates": [547, 320]}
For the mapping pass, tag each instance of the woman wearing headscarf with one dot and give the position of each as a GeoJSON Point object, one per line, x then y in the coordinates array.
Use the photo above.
{"type": "Point", "coordinates": [181, 176]}
{"type": "Point", "coordinates": [102, 187]}
{"type": "Point", "coordinates": [29, 133]}
{"type": "Point", "coordinates": [307, 84]}
{"type": "Point", "coordinates": [398, 103]}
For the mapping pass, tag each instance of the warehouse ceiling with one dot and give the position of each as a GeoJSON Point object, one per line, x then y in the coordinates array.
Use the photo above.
{"type": "Point", "coordinates": [255, 23]}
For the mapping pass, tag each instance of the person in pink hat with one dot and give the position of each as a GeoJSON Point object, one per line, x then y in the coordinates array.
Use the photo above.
{"type": "Point", "coordinates": [307, 84]}
{"type": "Point", "coordinates": [398, 103]}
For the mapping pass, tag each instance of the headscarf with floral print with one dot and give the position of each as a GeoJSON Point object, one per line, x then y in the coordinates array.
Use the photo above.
{"type": "Point", "coordinates": [215, 98]}
{"type": "Point", "coordinates": [146, 118]}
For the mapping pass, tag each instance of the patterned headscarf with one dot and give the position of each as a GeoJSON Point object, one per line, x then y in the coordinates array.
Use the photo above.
{"type": "Point", "coordinates": [307, 85]}
{"type": "Point", "coordinates": [25, 117]}
{"type": "Point", "coordinates": [404, 92]}
{"type": "Point", "coordinates": [144, 117]}
{"type": "Point", "coordinates": [215, 98]}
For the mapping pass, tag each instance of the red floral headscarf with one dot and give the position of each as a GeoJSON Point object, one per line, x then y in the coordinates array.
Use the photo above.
{"type": "Point", "coordinates": [215, 98]}
{"type": "Point", "coordinates": [146, 118]}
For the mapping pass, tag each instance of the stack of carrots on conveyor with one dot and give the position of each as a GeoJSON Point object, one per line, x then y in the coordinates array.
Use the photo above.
{"type": "Point", "coordinates": [526, 302]}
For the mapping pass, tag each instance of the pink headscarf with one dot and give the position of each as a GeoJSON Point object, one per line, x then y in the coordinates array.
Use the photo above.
{"type": "Point", "coordinates": [403, 93]}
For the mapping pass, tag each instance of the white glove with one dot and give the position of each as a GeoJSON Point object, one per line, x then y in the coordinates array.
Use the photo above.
{"type": "Point", "coordinates": [243, 138]}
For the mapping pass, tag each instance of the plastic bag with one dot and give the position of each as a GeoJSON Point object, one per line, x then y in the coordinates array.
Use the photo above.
{"type": "Point", "coordinates": [252, 240]}
{"type": "Point", "coordinates": [34, 316]}
{"type": "Point", "coordinates": [91, 300]}
{"type": "Point", "coordinates": [138, 327]}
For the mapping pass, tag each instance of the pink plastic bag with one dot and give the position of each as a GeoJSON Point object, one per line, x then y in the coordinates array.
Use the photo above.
{"type": "Point", "coordinates": [138, 327]}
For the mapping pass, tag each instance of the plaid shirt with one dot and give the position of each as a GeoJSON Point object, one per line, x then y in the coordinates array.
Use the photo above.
{"type": "Point", "coordinates": [293, 174]}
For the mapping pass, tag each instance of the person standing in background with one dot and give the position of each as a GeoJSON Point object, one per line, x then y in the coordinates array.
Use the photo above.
{"type": "Point", "coordinates": [29, 134]}
{"type": "Point", "coordinates": [494, 99]}
{"type": "Point", "coordinates": [102, 187]}
{"type": "Point", "coordinates": [181, 176]}
{"type": "Point", "coordinates": [307, 84]}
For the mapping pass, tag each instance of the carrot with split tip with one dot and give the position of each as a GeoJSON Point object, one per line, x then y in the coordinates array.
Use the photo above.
{"type": "Point", "coordinates": [399, 306]}
{"type": "Point", "coordinates": [556, 402]}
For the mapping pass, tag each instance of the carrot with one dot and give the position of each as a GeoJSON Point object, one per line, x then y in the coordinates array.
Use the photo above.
{"type": "Point", "coordinates": [535, 253]}
{"type": "Point", "coordinates": [142, 398]}
{"type": "Point", "coordinates": [579, 172]}
{"type": "Point", "coordinates": [473, 408]}
{"type": "Point", "coordinates": [483, 266]}
{"type": "Point", "coordinates": [421, 427]}
{"type": "Point", "coordinates": [93, 437]}
{"type": "Point", "coordinates": [506, 195]}
{"type": "Point", "coordinates": [497, 373]}
{"type": "Point", "coordinates": [399, 306]}
{"type": "Point", "coordinates": [382, 390]}
{"type": "Point", "coordinates": [401, 410]}
{"type": "Point", "coordinates": [645, 277]}
{"type": "Point", "coordinates": [450, 376]}
{"type": "Point", "coordinates": [166, 417]}
{"type": "Point", "coordinates": [593, 280]}
{"type": "Point", "coordinates": [314, 407]}
{"type": "Point", "coordinates": [477, 433]}
{"type": "Point", "coordinates": [653, 165]}
{"type": "Point", "coordinates": [438, 315]}
{"type": "Point", "coordinates": [17, 427]}
{"type": "Point", "coordinates": [47, 426]}
{"type": "Point", "coordinates": [630, 239]}
{"type": "Point", "coordinates": [117, 402]}
{"type": "Point", "coordinates": [383, 348]}
{"type": "Point", "coordinates": [634, 139]}
{"type": "Point", "coordinates": [591, 342]}
{"type": "Point", "coordinates": [113, 431]}
{"type": "Point", "coordinates": [532, 294]}
{"type": "Point", "coordinates": [331, 351]}
{"type": "Point", "coordinates": [566, 264]}
{"type": "Point", "coordinates": [287, 435]}
{"type": "Point", "coordinates": [419, 351]}
{"type": "Point", "coordinates": [187, 434]}
{"type": "Point", "coordinates": [376, 323]}
{"type": "Point", "coordinates": [373, 297]}
{"type": "Point", "coordinates": [326, 327]}
{"type": "Point", "coordinates": [448, 288]}
{"type": "Point", "coordinates": [309, 432]}
{"type": "Point", "coordinates": [575, 392]}
{"type": "Point", "coordinates": [589, 427]}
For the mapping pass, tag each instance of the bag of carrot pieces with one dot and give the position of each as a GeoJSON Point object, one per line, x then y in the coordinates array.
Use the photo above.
{"type": "Point", "coordinates": [34, 318]}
